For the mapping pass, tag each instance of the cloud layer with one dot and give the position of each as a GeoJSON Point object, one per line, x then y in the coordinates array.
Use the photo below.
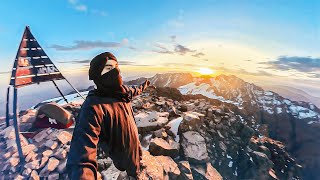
{"type": "Point", "coordinates": [301, 64]}
{"type": "Point", "coordinates": [86, 45]}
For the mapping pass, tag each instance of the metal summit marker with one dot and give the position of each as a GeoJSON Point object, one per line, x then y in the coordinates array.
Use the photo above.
{"type": "Point", "coordinates": [31, 65]}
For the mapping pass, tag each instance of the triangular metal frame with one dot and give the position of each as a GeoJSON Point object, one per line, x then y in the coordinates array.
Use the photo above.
{"type": "Point", "coordinates": [31, 65]}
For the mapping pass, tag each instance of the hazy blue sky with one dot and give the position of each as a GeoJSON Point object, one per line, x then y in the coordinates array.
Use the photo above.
{"type": "Point", "coordinates": [263, 40]}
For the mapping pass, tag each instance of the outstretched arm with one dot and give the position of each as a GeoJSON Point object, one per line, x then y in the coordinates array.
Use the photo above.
{"type": "Point", "coordinates": [137, 90]}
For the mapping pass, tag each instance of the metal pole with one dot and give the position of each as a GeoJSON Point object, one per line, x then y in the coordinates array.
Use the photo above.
{"type": "Point", "coordinates": [16, 124]}
{"type": "Point", "coordinates": [74, 89]}
{"type": "Point", "coordinates": [59, 91]}
{"type": "Point", "coordinates": [7, 108]}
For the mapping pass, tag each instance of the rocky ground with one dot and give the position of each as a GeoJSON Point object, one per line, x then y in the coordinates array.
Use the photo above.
{"type": "Point", "coordinates": [182, 138]}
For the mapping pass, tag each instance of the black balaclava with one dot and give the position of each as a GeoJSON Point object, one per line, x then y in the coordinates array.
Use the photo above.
{"type": "Point", "coordinates": [109, 84]}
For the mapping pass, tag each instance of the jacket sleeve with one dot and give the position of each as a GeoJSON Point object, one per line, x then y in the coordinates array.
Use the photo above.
{"type": "Point", "coordinates": [134, 90]}
{"type": "Point", "coordinates": [81, 163]}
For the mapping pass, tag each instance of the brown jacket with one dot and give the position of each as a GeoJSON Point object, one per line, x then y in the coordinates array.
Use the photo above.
{"type": "Point", "coordinates": [111, 122]}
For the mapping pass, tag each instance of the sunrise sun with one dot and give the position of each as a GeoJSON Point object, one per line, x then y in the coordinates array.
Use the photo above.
{"type": "Point", "coordinates": [205, 71]}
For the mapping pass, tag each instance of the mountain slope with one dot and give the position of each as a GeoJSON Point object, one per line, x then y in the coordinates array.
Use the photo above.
{"type": "Point", "coordinates": [294, 123]}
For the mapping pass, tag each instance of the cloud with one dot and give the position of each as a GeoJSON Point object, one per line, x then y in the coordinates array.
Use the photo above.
{"type": "Point", "coordinates": [197, 55]}
{"type": "Point", "coordinates": [301, 64]}
{"type": "Point", "coordinates": [259, 73]}
{"type": "Point", "coordinates": [178, 64]}
{"type": "Point", "coordinates": [76, 62]}
{"type": "Point", "coordinates": [87, 62]}
{"type": "Point", "coordinates": [182, 50]}
{"type": "Point", "coordinates": [99, 12]}
{"type": "Point", "coordinates": [87, 45]}
{"type": "Point", "coordinates": [163, 49]}
{"type": "Point", "coordinates": [78, 6]}
{"type": "Point", "coordinates": [84, 8]}
{"type": "Point", "coordinates": [173, 38]}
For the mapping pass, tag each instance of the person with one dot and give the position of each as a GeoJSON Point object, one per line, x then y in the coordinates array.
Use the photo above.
{"type": "Point", "coordinates": [106, 117]}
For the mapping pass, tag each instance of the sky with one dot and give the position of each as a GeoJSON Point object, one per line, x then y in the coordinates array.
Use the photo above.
{"type": "Point", "coordinates": [265, 42]}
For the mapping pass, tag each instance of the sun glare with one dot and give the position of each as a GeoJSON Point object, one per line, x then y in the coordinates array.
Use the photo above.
{"type": "Point", "coordinates": [205, 71]}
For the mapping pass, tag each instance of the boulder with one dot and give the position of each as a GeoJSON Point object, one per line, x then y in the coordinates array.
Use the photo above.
{"type": "Point", "coordinates": [26, 172]}
{"type": "Point", "coordinates": [50, 167]}
{"type": "Point", "coordinates": [151, 167]}
{"type": "Point", "coordinates": [64, 137]}
{"type": "Point", "coordinates": [62, 166]}
{"type": "Point", "coordinates": [159, 146]}
{"type": "Point", "coordinates": [53, 176]}
{"type": "Point", "coordinates": [161, 133]}
{"type": "Point", "coordinates": [44, 161]}
{"type": "Point", "coordinates": [194, 147]}
{"type": "Point", "coordinates": [150, 121]}
{"type": "Point", "coordinates": [52, 115]}
{"type": "Point", "coordinates": [32, 165]}
{"type": "Point", "coordinates": [34, 175]}
{"type": "Point", "coordinates": [185, 169]}
{"type": "Point", "coordinates": [170, 167]}
{"type": "Point", "coordinates": [51, 144]}
{"type": "Point", "coordinates": [205, 172]}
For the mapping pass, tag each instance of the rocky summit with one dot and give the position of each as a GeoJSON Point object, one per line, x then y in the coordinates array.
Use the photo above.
{"type": "Point", "coordinates": [184, 135]}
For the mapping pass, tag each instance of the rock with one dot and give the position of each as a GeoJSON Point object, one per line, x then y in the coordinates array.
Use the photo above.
{"type": "Point", "coordinates": [145, 142]}
{"type": "Point", "coordinates": [217, 119]}
{"type": "Point", "coordinates": [104, 164]}
{"type": "Point", "coordinates": [64, 137]}
{"type": "Point", "coordinates": [222, 146]}
{"type": "Point", "coordinates": [151, 121]}
{"type": "Point", "coordinates": [173, 112]}
{"type": "Point", "coordinates": [53, 176]}
{"type": "Point", "coordinates": [32, 164]}
{"type": "Point", "coordinates": [51, 144]}
{"type": "Point", "coordinates": [41, 135]}
{"type": "Point", "coordinates": [44, 161]}
{"type": "Point", "coordinates": [210, 113]}
{"type": "Point", "coordinates": [265, 150]}
{"type": "Point", "coordinates": [273, 174]}
{"type": "Point", "coordinates": [50, 167]}
{"type": "Point", "coordinates": [111, 173]}
{"type": "Point", "coordinates": [205, 172]}
{"type": "Point", "coordinates": [123, 176]}
{"type": "Point", "coordinates": [62, 166]}
{"type": "Point", "coordinates": [194, 147]}
{"type": "Point", "coordinates": [190, 117]}
{"type": "Point", "coordinates": [19, 177]}
{"type": "Point", "coordinates": [47, 153]}
{"type": "Point", "coordinates": [28, 148]}
{"type": "Point", "coordinates": [159, 146]}
{"type": "Point", "coordinates": [170, 167]}
{"type": "Point", "coordinates": [212, 173]}
{"type": "Point", "coordinates": [60, 154]}
{"type": "Point", "coordinates": [8, 132]}
{"type": "Point", "coordinates": [13, 161]}
{"type": "Point", "coordinates": [27, 172]}
{"type": "Point", "coordinates": [161, 133]}
{"type": "Point", "coordinates": [151, 167]}
{"type": "Point", "coordinates": [183, 108]}
{"type": "Point", "coordinates": [31, 157]}
{"type": "Point", "coordinates": [185, 169]}
{"type": "Point", "coordinates": [52, 115]}
{"type": "Point", "coordinates": [261, 159]}
{"type": "Point", "coordinates": [34, 175]}
{"type": "Point", "coordinates": [7, 155]}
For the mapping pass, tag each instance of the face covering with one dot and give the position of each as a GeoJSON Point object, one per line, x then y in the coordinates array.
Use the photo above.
{"type": "Point", "coordinates": [110, 84]}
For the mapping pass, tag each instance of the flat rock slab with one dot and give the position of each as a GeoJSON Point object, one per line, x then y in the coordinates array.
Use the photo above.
{"type": "Point", "coordinates": [194, 147]}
